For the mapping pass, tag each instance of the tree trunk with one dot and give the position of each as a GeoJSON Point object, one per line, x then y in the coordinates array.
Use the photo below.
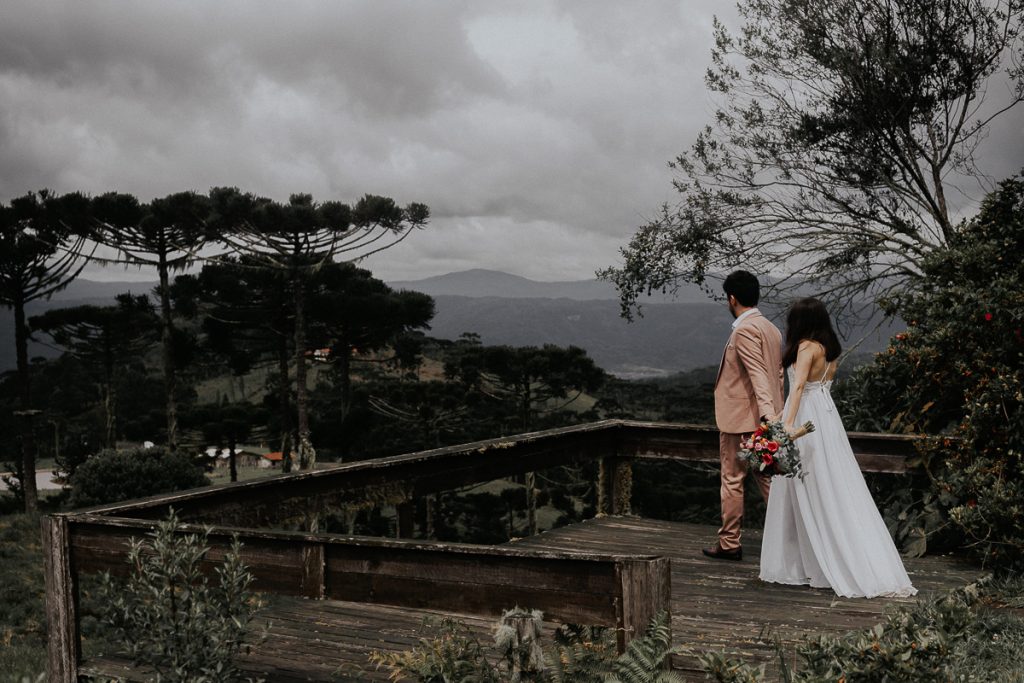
{"type": "Point", "coordinates": [56, 441]}
{"type": "Point", "coordinates": [232, 464]}
{"type": "Point", "coordinates": [109, 403]}
{"type": "Point", "coordinates": [110, 423]}
{"type": "Point", "coordinates": [531, 477]}
{"type": "Point", "coordinates": [284, 397]}
{"type": "Point", "coordinates": [307, 456]}
{"type": "Point", "coordinates": [344, 370]}
{"type": "Point", "coordinates": [167, 339]}
{"type": "Point", "coordinates": [28, 442]}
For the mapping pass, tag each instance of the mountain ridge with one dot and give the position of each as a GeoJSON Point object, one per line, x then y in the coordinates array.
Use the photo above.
{"type": "Point", "coordinates": [481, 282]}
{"type": "Point", "coordinates": [671, 335]}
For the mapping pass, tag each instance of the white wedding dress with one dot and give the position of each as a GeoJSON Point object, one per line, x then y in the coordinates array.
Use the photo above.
{"type": "Point", "coordinates": [825, 530]}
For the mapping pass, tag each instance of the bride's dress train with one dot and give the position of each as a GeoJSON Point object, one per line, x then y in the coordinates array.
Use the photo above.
{"type": "Point", "coordinates": [825, 530]}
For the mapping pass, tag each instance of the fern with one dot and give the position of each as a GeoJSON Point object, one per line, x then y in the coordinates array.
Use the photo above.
{"type": "Point", "coordinates": [724, 669]}
{"type": "Point", "coordinates": [453, 655]}
{"type": "Point", "coordinates": [580, 654]}
{"type": "Point", "coordinates": [644, 659]}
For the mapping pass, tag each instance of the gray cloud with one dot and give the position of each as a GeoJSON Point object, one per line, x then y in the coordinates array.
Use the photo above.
{"type": "Point", "coordinates": [537, 131]}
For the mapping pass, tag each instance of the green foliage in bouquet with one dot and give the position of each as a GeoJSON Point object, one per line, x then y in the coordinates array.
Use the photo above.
{"type": "Point", "coordinates": [169, 615]}
{"type": "Point", "coordinates": [958, 371]}
{"type": "Point", "coordinates": [114, 475]}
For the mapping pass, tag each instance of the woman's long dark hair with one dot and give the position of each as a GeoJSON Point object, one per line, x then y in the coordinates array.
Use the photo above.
{"type": "Point", "coordinates": [808, 319]}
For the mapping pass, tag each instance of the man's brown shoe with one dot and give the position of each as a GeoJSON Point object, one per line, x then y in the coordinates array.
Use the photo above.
{"type": "Point", "coordinates": [717, 552]}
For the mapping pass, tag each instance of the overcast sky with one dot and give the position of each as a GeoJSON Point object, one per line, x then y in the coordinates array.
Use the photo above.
{"type": "Point", "coordinates": [537, 131]}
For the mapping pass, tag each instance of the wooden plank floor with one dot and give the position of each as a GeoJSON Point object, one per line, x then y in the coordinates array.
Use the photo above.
{"type": "Point", "coordinates": [723, 605]}
{"type": "Point", "coordinates": [715, 605]}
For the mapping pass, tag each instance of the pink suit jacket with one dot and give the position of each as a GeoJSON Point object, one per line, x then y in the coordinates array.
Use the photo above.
{"type": "Point", "coordinates": [749, 382]}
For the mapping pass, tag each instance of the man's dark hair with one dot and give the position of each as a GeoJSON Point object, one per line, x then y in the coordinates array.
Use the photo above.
{"type": "Point", "coordinates": [743, 286]}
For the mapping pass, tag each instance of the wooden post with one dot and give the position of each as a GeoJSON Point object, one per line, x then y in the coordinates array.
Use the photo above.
{"type": "Point", "coordinates": [428, 528]}
{"type": "Point", "coordinates": [615, 486]}
{"type": "Point", "coordinates": [622, 487]}
{"type": "Point", "coordinates": [604, 497]}
{"type": "Point", "coordinates": [645, 589]}
{"type": "Point", "coordinates": [405, 510]}
{"type": "Point", "coordinates": [313, 571]}
{"type": "Point", "coordinates": [531, 503]}
{"type": "Point", "coordinates": [63, 647]}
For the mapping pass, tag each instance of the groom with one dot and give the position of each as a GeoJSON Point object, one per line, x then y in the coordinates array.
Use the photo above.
{"type": "Point", "coordinates": [748, 391]}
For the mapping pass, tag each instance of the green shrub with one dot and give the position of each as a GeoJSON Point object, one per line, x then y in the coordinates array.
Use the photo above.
{"type": "Point", "coordinates": [451, 654]}
{"type": "Point", "coordinates": [579, 654]}
{"type": "Point", "coordinates": [952, 639]}
{"type": "Point", "coordinates": [957, 371]}
{"type": "Point", "coordinates": [111, 476]}
{"type": "Point", "coordinates": [171, 618]}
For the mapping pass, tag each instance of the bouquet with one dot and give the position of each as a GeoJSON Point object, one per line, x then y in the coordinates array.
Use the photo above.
{"type": "Point", "coordinates": [771, 450]}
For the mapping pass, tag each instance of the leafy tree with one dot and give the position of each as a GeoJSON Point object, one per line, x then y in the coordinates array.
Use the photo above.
{"type": "Point", "coordinates": [528, 379]}
{"type": "Point", "coordinates": [165, 235]}
{"type": "Point", "coordinates": [842, 131]}
{"type": "Point", "coordinates": [356, 316]}
{"type": "Point", "coordinates": [431, 409]}
{"type": "Point", "coordinates": [246, 315]}
{"type": "Point", "coordinates": [41, 251]}
{"type": "Point", "coordinates": [957, 371]}
{"type": "Point", "coordinates": [105, 336]}
{"type": "Point", "coordinates": [225, 424]}
{"type": "Point", "coordinates": [297, 239]}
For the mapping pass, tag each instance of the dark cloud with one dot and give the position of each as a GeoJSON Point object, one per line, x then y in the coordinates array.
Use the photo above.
{"type": "Point", "coordinates": [537, 131]}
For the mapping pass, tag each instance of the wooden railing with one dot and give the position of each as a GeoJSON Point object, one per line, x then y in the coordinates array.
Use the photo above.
{"type": "Point", "coordinates": [614, 590]}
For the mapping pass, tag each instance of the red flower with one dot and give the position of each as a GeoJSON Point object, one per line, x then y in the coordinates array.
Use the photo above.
{"type": "Point", "coordinates": [988, 317]}
{"type": "Point", "coordinates": [759, 432]}
{"type": "Point", "coordinates": [773, 446]}
{"type": "Point", "coordinates": [767, 459]}
{"type": "Point", "coordinates": [972, 503]}
{"type": "Point", "coordinates": [900, 336]}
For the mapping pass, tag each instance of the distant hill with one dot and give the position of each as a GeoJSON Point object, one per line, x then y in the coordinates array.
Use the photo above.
{"type": "Point", "coordinates": [673, 335]}
{"type": "Point", "coordinates": [669, 338]}
{"type": "Point", "coordinates": [494, 283]}
{"type": "Point", "coordinates": [79, 293]}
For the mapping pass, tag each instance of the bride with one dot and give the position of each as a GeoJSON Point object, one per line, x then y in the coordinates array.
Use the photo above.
{"type": "Point", "coordinates": [824, 530]}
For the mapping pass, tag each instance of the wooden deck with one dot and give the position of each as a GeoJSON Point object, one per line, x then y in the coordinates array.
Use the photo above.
{"type": "Point", "coordinates": [715, 605]}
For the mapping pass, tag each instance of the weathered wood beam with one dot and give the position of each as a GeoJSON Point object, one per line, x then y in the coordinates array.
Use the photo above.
{"type": "Point", "coordinates": [615, 486]}
{"type": "Point", "coordinates": [886, 453]}
{"type": "Point", "coordinates": [63, 645]}
{"type": "Point", "coordinates": [645, 591]}
{"type": "Point", "coordinates": [411, 475]}
{"type": "Point", "coordinates": [567, 586]}
{"type": "Point", "coordinates": [445, 469]}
